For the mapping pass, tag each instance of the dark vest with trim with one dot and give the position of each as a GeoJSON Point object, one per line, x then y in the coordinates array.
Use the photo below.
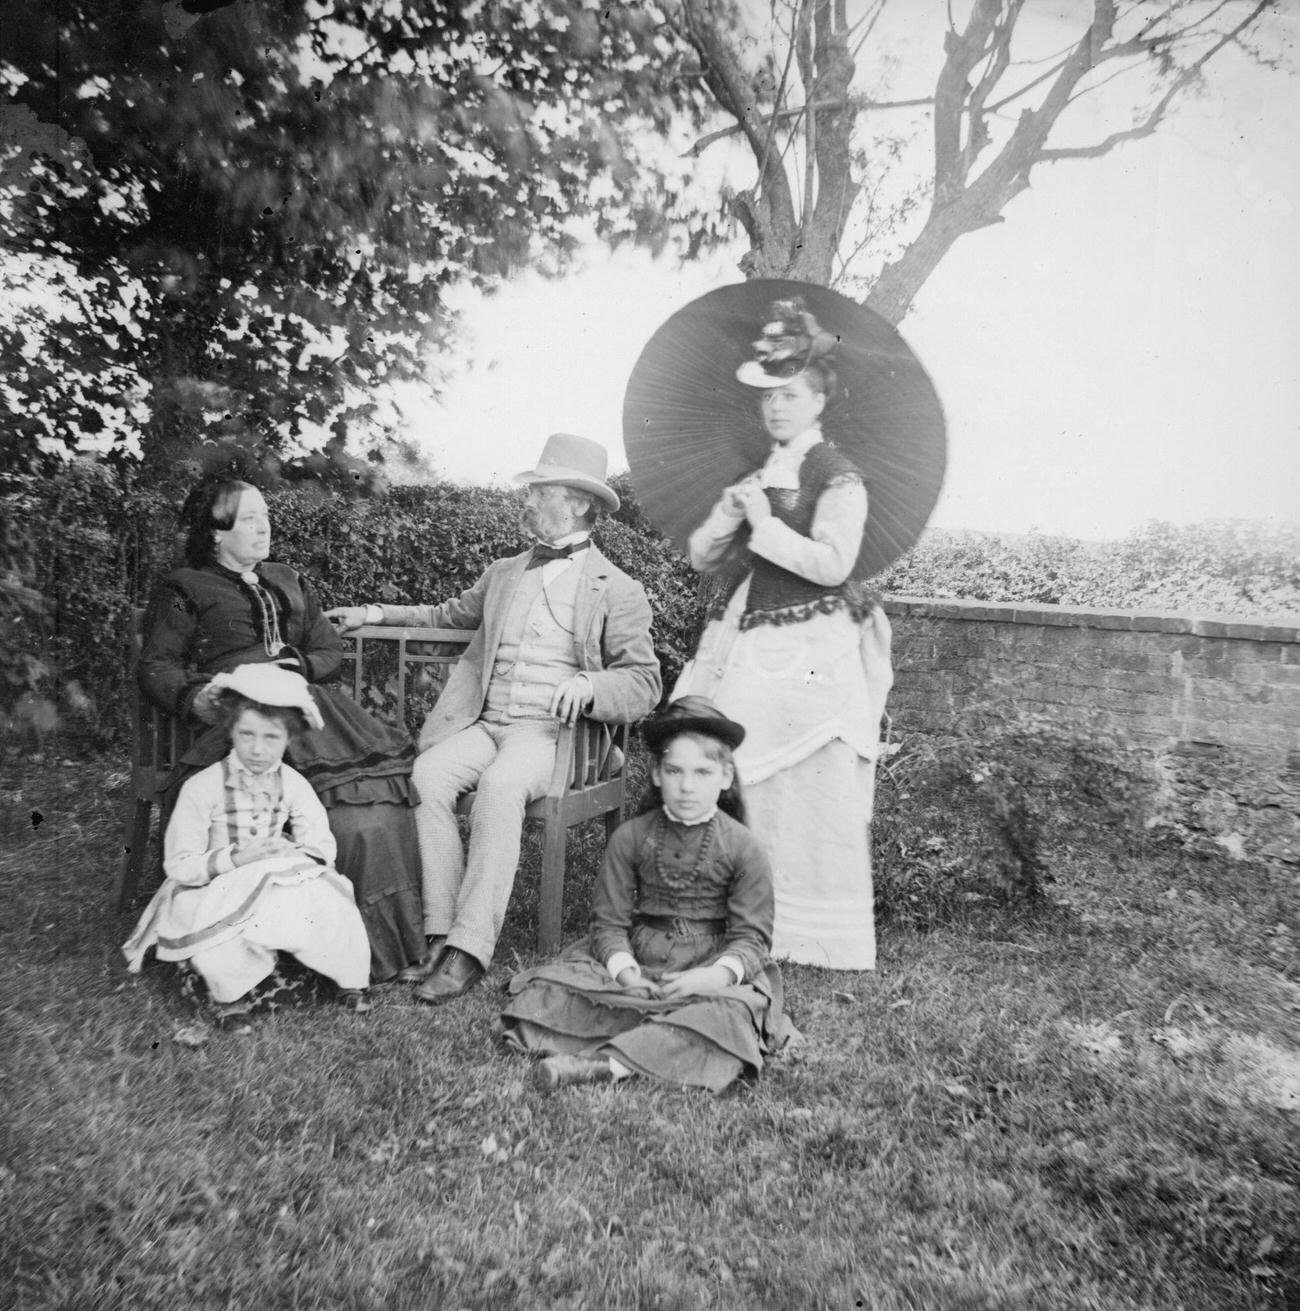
{"type": "Point", "coordinates": [776, 595]}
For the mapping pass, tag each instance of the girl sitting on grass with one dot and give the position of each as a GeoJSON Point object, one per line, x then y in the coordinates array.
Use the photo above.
{"type": "Point", "coordinates": [249, 858]}
{"type": "Point", "coordinates": [675, 980]}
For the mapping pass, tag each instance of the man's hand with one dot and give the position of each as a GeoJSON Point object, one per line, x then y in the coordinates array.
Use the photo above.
{"type": "Point", "coordinates": [347, 617]}
{"type": "Point", "coordinates": [570, 699]}
{"type": "Point", "coordinates": [702, 981]}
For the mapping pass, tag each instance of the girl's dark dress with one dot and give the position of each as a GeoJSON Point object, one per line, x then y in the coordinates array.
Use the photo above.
{"type": "Point", "coordinates": [674, 896]}
{"type": "Point", "coordinates": [207, 621]}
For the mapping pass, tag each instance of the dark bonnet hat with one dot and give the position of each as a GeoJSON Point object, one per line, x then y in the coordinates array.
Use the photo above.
{"type": "Point", "coordinates": [692, 714]}
{"type": "Point", "coordinates": [791, 340]}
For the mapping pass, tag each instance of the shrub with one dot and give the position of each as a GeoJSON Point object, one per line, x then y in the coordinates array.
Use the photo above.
{"type": "Point", "coordinates": [23, 615]}
{"type": "Point", "coordinates": [983, 811]}
{"type": "Point", "coordinates": [82, 548]}
{"type": "Point", "coordinates": [1227, 567]}
{"type": "Point", "coordinates": [89, 539]}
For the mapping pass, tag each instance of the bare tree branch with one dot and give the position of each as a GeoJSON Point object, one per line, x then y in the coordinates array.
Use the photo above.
{"type": "Point", "coordinates": [1157, 113]}
{"type": "Point", "coordinates": [810, 11]}
{"type": "Point", "coordinates": [977, 132]}
{"type": "Point", "coordinates": [836, 186]}
{"type": "Point", "coordinates": [797, 111]}
{"type": "Point", "coordinates": [978, 165]}
{"type": "Point", "coordinates": [776, 100]}
{"type": "Point", "coordinates": [766, 212]}
{"type": "Point", "coordinates": [1021, 92]}
{"type": "Point", "coordinates": [964, 52]}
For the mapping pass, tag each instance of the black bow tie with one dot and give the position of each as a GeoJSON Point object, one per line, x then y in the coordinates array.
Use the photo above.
{"type": "Point", "coordinates": [544, 552]}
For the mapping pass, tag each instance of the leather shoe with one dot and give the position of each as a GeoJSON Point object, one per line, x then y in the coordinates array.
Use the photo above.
{"type": "Point", "coordinates": [421, 970]}
{"type": "Point", "coordinates": [556, 1071]}
{"type": "Point", "coordinates": [456, 973]}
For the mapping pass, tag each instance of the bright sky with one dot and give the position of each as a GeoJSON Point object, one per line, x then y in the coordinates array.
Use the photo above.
{"type": "Point", "coordinates": [1122, 348]}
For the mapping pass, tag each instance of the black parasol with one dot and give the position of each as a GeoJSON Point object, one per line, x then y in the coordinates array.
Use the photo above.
{"type": "Point", "coordinates": [691, 427]}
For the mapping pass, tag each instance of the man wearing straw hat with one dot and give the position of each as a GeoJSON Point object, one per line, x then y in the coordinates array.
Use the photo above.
{"type": "Point", "coordinates": [560, 632]}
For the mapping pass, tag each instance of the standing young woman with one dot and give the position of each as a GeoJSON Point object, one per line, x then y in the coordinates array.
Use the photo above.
{"type": "Point", "coordinates": [797, 652]}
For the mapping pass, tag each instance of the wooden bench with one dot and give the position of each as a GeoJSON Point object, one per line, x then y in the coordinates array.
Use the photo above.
{"type": "Point", "coordinates": [391, 666]}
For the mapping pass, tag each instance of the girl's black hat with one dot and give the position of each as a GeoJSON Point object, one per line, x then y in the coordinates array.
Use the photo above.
{"type": "Point", "coordinates": [692, 714]}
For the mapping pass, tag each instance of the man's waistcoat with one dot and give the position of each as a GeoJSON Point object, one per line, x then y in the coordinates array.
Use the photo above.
{"type": "Point", "coordinates": [536, 653]}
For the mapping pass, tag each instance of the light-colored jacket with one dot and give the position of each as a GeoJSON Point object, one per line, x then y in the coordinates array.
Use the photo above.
{"type": "Point", "coordinates": [612, 643]}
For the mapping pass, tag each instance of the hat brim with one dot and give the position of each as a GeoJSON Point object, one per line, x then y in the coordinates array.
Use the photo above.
{"type": "Point", "coordinates": [753, 374]}
{"type": "Point", "coordinates": [656, 731]}
{"type": "Point", "coordinates": [272, 685]}
{"type": "Point", "coordinates": [553, 475]}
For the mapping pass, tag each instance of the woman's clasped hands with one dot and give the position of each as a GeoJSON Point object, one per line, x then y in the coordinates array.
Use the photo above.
{"type": "Point", "coordinates": [747, 499]}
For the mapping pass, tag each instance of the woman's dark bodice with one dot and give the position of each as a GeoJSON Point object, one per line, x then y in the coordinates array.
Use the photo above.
{"type": "Point", "coordinates": [202, 622]}
{"type": "Point", "coordinates": [777, 595]}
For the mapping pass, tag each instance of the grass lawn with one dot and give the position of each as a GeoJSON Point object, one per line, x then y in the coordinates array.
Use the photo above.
{"type": "Point", "coordinates": [1093, 1105]}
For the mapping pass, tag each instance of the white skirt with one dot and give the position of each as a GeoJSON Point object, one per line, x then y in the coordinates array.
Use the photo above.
{"type": "Point", "coordinates": [231, 928]}
{"type": "Point", "coordinates": [814, 819]}
{"type": "Point", "coordinates": [811, 696]}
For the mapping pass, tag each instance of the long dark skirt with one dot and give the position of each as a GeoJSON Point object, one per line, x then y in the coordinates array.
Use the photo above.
{"type": "Point", "coordinates": [379, 856]}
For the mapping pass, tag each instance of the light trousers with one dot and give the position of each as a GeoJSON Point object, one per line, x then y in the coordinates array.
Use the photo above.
{"type": "Point", "coordinates": [466, 894]}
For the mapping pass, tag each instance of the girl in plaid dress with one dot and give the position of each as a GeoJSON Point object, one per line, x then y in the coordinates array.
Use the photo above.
{"type": "Point", "coordinates": [249, 859]}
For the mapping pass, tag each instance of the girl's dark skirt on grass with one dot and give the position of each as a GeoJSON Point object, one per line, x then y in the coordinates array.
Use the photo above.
{"type": "Point", "coordinates": [571, 1005]}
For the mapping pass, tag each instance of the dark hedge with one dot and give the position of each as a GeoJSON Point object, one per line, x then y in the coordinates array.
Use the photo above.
{"type": "Point", "coordinates": [81, 550]}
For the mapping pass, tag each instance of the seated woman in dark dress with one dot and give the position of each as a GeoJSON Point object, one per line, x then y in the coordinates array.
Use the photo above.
{"type": "Point", "coordinates": [228, 607]}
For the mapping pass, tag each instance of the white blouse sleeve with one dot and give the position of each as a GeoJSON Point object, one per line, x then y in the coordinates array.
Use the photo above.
{"type": "Point", "coordinates": [708, 544]}
{"type": "Point", "coordinates": [828, 553]}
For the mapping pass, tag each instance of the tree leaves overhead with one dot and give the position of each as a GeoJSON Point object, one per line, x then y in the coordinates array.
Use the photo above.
{"type": "Point", "coordinates": [284, 192]}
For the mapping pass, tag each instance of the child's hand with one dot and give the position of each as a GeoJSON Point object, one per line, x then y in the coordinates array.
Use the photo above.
{"type": "Point", "coordinates": [699, 982]}
{"type": "Point", "coordinates": [632, 978]}
{"type": "Point", "coordinates": [262, 849]}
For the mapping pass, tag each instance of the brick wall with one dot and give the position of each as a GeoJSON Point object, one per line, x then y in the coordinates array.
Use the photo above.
{"type": "Point", "coordinates": [1217, 700]}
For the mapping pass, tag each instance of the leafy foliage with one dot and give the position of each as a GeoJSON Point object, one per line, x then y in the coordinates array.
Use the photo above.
{"type": "Point", "coordinates": [84, 545]}
{"type": "Point", "coordinates": [249, 219]}
{"type": "Point", "coordinates": [1226, 566]}
{"type": "Point", "coordinates": [88, 545]}
{"type": "Point", "coordinates": [86, 541]}
{"type": "Point", "coordinates": [23, 608]}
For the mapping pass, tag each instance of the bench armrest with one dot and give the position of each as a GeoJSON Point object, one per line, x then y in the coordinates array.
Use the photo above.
{"type": "Point", "coordinates": [587, 753]}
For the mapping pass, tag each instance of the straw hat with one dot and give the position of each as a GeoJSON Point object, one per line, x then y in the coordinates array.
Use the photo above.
{"type": "Point", "coordinates": [574, 462]}
{"type": "Point", "coordinates": [272, 685]}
